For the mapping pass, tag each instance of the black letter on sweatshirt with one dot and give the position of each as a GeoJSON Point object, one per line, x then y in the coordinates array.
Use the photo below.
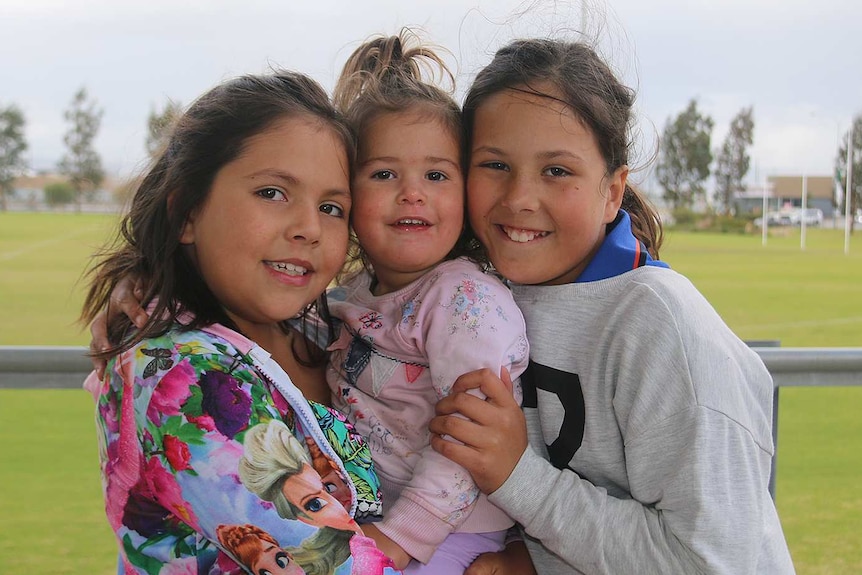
{"type": "Point", "coordinates": [567, 387]}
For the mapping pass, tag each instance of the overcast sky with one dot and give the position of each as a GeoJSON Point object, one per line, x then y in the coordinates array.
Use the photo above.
{"type": "Point", "coordinates": [795, 61]}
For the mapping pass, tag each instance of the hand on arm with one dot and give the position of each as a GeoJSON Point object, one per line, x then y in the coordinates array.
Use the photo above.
{"type": "Point", "coordinates": [494, 435]}
{"type": "Point", "coordinates": [513, 560]}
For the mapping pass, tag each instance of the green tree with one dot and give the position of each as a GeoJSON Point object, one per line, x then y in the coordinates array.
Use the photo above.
{"type": "Point", "coordinates": [841, 169]}
{"type": "Point", "coordinates": [82, 163]}
{"type": "Point", "coordinates": [160, 124]}
{"type": "Point", "coordinates": [733, 160]}
{"type": "Point", "coordinates": [12, 148]}
{"type": "Point", "coordinates": [683, 164]}
{"type": "Point", "coordinates": [59, 194]}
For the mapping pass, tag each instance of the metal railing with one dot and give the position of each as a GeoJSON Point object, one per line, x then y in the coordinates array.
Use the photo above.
{"type": "Point", "coordinates": [66, 367]}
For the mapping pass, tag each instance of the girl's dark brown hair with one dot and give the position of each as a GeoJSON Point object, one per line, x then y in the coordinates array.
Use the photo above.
{"type": "Point", "coordinates": [212, 133]}
{"type": "Point", "coordinates": [587, 86]}
{"type": "Point", "coordinates": [392, 74]}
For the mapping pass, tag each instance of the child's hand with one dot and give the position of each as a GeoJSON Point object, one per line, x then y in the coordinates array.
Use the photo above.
{"type": "Point", "coordinates": [494, 435]}
{"type": "Point", "coordinates": [392, 550]}
{"type": "Point", "coordinates": [126, 299]}
{"type": "Point", "coordinates": [514, 560]}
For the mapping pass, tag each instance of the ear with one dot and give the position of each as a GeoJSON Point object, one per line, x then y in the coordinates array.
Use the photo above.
{"type": "Point", "coordinates": [187, 235]}
{"type": "Point", "coordinates": [616, 189]}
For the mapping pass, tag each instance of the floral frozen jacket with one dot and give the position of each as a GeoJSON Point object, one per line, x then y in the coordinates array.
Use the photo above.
{"type": "Point", "coordinates": [173, 415]}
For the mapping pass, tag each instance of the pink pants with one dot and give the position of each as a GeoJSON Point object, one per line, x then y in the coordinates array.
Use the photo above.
{"type": "Point", "coordinates": [457, 552]}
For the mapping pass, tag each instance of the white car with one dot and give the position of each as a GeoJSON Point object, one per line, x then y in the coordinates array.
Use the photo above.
{"type": "Point", "coordinates": [812, 217]}
{"type": "Point", "coordinates": [792, 217]}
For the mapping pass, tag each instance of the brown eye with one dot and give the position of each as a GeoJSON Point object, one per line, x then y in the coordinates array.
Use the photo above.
{"type": "Point", "coordinates": [383, 175]}
{"type": "Point", "coordinates": [333, 210]}
{"type": "Point", "coordinates": [495, 166]}
{"type": "Point", "coordinates": [557, 172]}
{"type": "Point", "coordinates": [270, 194]}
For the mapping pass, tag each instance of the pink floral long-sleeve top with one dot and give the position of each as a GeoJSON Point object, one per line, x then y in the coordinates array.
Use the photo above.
{"type": "Point", "coordinates": [396, 356]}
{"type": "Point", "coordinates": [185, 492]}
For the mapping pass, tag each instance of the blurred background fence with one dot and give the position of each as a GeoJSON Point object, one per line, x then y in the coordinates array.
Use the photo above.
{"type": "Point", "coordinates": [64, 367]}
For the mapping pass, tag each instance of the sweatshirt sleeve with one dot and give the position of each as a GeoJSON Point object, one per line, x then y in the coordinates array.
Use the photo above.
{"type": "Point", "coordinates": [468, 322]}
{"type": "Point", "coordinates": [175, 421]}
{"type": "Point", "coordinates": [696, 460]}
{"type": "Point", "coordinates": [691, 528]}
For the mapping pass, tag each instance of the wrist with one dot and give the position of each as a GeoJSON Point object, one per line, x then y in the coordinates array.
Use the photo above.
{"type": "Point", "coordinates": [389, 547]}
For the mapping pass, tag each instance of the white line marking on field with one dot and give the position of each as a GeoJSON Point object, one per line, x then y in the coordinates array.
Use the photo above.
{"type": "Point", "coordinates": [39, 245]}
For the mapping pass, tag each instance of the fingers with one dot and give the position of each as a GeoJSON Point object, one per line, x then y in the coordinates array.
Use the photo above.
{"type": "Point", "coordinates": [485, 436]}
{"type": "Point", "coordinates": [514, 559]}
{"type": "Point", "coordinates": [126, 298]}
{"type": "Point", "coordinates": [99, 332]}
{"type": "Point", "coordinates": [485, 564]}
{"type": "Point", "coordinates": [489, 465]}
{"type": "Point", "coordinates": [99, 342]}
{"type": "Point", "coordinates": [496, 390]}
{"type": "Point", "coordinates": [454, 424]}
{"type": "Point", "coordinates": [506, 378]}
{"type": "Point", "coordinates": [463, 455]}
{"type": "Point", "coordinates": [139, 289]}
{"type": "Point", "coordinates": [99, 366]}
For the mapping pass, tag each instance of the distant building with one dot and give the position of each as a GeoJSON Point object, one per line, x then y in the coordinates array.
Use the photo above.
{"type": "Point", "coordinates": [29, 191]}
{"type": "Point", "coordinates": [784, 192]}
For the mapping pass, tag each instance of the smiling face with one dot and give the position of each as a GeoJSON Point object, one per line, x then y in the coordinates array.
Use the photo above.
{"type": "Point", "coordinates": [408, 196]}
{"type": "Point", "coordinates": [307, 492]}
{"type": "Point", "coordinates": [538, 194]}
{"type": "Point", "coordinates": [272, 232]}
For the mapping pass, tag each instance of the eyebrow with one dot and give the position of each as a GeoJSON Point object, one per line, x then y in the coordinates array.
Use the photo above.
{"type": "Point", "coordinates": [432, 159]}
{"type": "Point", "coordinates": [278, 174]}
{"type": "Point", "coordinates": [548, 155]}
{"type": "Point", "coordinates": [555, 154]}
{"type": "Point", "coordinates": [489, 150]}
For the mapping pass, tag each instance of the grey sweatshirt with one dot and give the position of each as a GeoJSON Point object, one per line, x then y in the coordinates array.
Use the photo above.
{"type": "Point", "coordinates": [650, 443]}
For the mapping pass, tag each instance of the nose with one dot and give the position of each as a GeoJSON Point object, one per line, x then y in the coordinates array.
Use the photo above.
{"type": "Point", "coordinates": [304, 225]}
{"type": "Point", "coordinates": [412, 192]}
{"type": "Point", "coordinates": [519, 194]}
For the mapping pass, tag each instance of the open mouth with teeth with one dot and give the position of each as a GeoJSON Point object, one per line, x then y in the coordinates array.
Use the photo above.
{"type": "Point", "coordinates": [288, 268]}
{"type": "Point", "coordinates": [412, 223]}
{"type": "Point", "coordinates": [522, 236]}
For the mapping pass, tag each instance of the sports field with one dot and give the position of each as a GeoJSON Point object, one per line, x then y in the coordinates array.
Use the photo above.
{"type": "Point", "coordinates": [51, 517]}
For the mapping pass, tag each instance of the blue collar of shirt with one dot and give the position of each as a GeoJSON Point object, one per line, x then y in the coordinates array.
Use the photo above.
{"type": "Point", "coordinates": [620, 252]}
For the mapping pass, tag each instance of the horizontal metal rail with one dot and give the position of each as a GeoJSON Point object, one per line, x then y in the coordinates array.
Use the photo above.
{"type": "Point", "coordinates": [35, 367]}
{"type": "Point", "coordinates": [66, 367]}
{"type": "Point", "coordinates": [39, 367]}
{"type": "Point", "coordinates": [813, 366]}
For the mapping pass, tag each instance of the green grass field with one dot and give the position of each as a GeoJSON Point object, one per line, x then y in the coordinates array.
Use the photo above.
{"type": "Point", "coordinates": [51, 517]}
{"type": "Point", "coordinates": [42, 257]}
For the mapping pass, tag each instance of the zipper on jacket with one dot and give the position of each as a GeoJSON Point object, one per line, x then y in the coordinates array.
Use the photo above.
{"type": "Point", "coordinates": [281, 380]}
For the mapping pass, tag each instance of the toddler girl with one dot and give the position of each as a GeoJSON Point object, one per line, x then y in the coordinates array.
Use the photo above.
{"type": "Point", "coordinates": [420, 312]}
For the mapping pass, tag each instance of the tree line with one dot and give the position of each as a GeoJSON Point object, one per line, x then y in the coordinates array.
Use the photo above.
{"type": "Point", "coordinates": [686, 157]}
{"type": "Point", "coordinates": [81, 164]}
{"type": "Point", "coordinates": [684, 163]}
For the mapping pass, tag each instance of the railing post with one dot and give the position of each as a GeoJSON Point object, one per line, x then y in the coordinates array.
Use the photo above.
{"type": "Point", "coordinates": [773, 472]}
